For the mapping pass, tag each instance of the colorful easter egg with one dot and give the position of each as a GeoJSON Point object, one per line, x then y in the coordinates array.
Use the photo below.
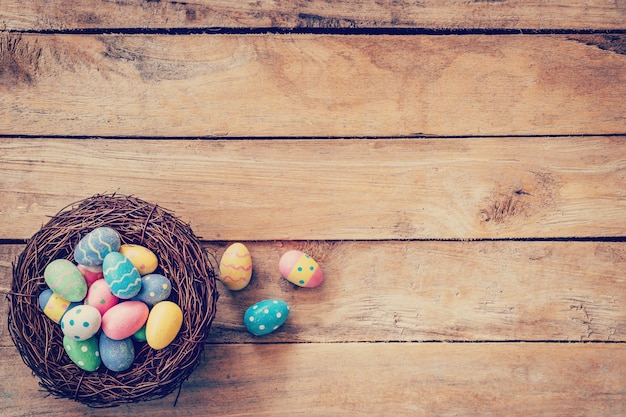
{"type": "Point", "coordinates": [300, 269]}
{"type": "Point", "coordinates": [266, 316]}
{"type": "Point", "coordinates": [96, 245]}
{"type": "Point", "coordinates": [100, 297]}
{"type": "Point", "coordinates": [54, 306]}
{"type": "Point", "coordinates": [64, 278]}
{"type": "Point", "coordinates": [81, 322]}
{"type": "Point", "coordinates": [116, 355]}
{"type": "Point", "coordinates": [121, 276]}
{"type": "Point", "coordinates": [140, 335]}
{"type": "Point", "coordinates": [143, 258]}
{"type": "Point", "coordinates": [83, 353]}
{"type": "Point", "coordinates": [164, 323]}
{"type": "Point", "coordinates": [154, 288]}
{"type": "Point", "coordinates": [91, 273]}
{"type": "Point", "coordinates": [236, 267]}
{"type": "Point", "coordinates": [124, 319]}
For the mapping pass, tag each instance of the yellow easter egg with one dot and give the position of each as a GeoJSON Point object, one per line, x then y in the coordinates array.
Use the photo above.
{"type": "Point", "coordinates": [236, 267]}
{"type": "Point", "coordinates": [142, 258]}
{"type": "Point", "coordinates": [164, 323]}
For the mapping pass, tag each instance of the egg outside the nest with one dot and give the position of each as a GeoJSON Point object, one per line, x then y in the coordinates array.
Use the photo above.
{"type": "Point", "coordinates": [236, 267]}
{"type": "Point", "coordinates": [300, 269]}
{"type": "Point", "coordinates": [266, 316]}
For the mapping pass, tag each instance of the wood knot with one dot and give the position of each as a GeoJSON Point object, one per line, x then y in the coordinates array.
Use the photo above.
{"type": "Point", "coordinates": [19, 60]}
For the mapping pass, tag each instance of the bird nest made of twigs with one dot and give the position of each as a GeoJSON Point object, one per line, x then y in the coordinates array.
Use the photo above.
{"type": "Point", "coordinates": [154, 373]}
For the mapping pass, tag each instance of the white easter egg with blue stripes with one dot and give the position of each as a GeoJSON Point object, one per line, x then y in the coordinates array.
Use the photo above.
{"type": "Point", "coordinates": [120, 274]}
{"type": "Point", "coordinates": [96, 245]}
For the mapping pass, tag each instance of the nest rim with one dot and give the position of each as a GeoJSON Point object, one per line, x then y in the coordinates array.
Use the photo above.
{"type": "Point", "coordinates": [182, 259]}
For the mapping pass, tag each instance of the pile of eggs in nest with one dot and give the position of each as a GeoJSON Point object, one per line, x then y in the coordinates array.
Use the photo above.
{"type": "Point", "coordinates": [267, 315]}
{"type": "Point", "coordinates": [109, 300]}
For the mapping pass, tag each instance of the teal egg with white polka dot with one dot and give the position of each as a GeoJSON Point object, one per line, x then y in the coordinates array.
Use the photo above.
{"type": "Point", "coordinates": [266, 316]}
{"type": "Point", "coordinates": [84, 353]}
{"type": "Point", "coordinates": [81, 322]}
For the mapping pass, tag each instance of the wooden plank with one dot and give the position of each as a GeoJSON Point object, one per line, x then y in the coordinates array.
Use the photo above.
{"type": "Point", "coordinates": [448, 14]}
{"type": "Point", "coordinates": [424, 291]}
{"type": "Point", "coordinates": [332, 189]}
{"type": "Point", "coordinates": [364, 379]}
{"type": "Point", "coordinates": [283, 85]}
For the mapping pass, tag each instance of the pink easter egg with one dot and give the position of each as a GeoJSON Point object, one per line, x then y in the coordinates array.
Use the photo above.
{"type": "Point", "coordinates": [91, 273]}
{"type": "Point", "coordinates": [99, 296]}
{"type": "Point", "coordinates": [124, 319]}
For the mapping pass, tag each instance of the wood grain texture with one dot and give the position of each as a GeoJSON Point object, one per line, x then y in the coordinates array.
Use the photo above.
{"type": "Point", "coordinates": [446, 14]}
{"type": "Point", "coordinates": [312, 85]}
{"type": "Point", "coordinates": [429, 291]}
{"type": "Point", "coordinates": [332, 189]}
{"type": "Point", "coordinates": [365, 379]}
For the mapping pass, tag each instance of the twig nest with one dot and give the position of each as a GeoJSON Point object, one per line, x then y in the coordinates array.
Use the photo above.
{"type": "Point", "coordinates": [154, 373]}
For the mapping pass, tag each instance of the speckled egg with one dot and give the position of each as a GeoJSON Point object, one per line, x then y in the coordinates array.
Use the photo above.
{"type": "Point", "coordinates": [83, 353]}
{"type": "Point", "coordinates": [154, 288]}
{"type": "Point", "coordinates": [124, 319]}
{"type": "Point", "coordinates": [91, 273]}
{"type": "Point", "coordinates": [100, 297]}
{"type": "Point", "coordinates": [164, 323]}
{"type": "Point", "coordinates": [96, 245]}
{"type": "Point", "coordinates": [236, 267]}
{"type": "Point", "coordinates": [64, 278]}
{"type": "Point", "coordinates": [54, 306]}
{"type": "Point", "coordinates": [300, 269]}
{"type": "Point", "coordinates": [143, 258]}
{"type": "Point", "coordinates": [121, 276]}
{"type": "Point", "coordinates": [116, 355]}
{"type": "Point", "coordinates": [266, 316]}
{"type": "Point", "coordinates": [81, 322]}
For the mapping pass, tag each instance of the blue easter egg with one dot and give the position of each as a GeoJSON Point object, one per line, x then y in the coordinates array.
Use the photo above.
{"type": "Point", "coordinates": [266, 316]}
{"type": "Point", "coordinates": [96, 245]}
{"type": "Point", "coordinates": [116, 355]}
{"type": "Point", "coordinates": [154, 288]}
{"type": "Point", "coordinates": [121, 276]}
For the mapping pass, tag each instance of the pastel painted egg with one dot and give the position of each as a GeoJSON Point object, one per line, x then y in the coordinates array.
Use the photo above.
{"type": "Point", "coordinates": [83, 353]}
{"type": "Point", "coordinates": [140, 335]}
{"type": "Point", "coordinates": [266, 316]}
{"type": "Point", "coordinates": [64, 278]}
{"type": "Point", "coordinates": [143, 258]}
{"type": "Point", "coordinates": [236, 267]}
{"type": "Point", "coordinates": [124, 319]}
{"type": "Point", "coordinates": [54, 306]}
{"type": "Point", "coordinates": [154, 288]}
{"type": "Point", "coordinates": [100, 297]}
{"type": "Point", "coordinates": [116, 355]}
{"type": "Point", "coordinates": [91, 273]}
{"type": "Point", "coordinates": [121, 276]}
{"type": "Point", "coordinates": [96, 245]}
{"type": "Point", "coordinates": [81, 322]}
{"type": "Point", "coordinates": [300, 269]}
{"type": "Point", "coordinates": [164, 323]}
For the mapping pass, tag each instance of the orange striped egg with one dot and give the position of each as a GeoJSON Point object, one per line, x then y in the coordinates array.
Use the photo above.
{"type": "Point", "coordinates": [236, 267]}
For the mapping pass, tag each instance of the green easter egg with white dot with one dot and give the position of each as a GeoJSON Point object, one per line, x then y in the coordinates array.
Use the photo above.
{"type": "Point", "coordinates": [266, 316]}
{"type": "Point", "coordinates": [84, 353]}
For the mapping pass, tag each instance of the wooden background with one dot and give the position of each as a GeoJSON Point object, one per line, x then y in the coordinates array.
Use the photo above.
{"type": "Point", "coordinates": [457, 168]}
